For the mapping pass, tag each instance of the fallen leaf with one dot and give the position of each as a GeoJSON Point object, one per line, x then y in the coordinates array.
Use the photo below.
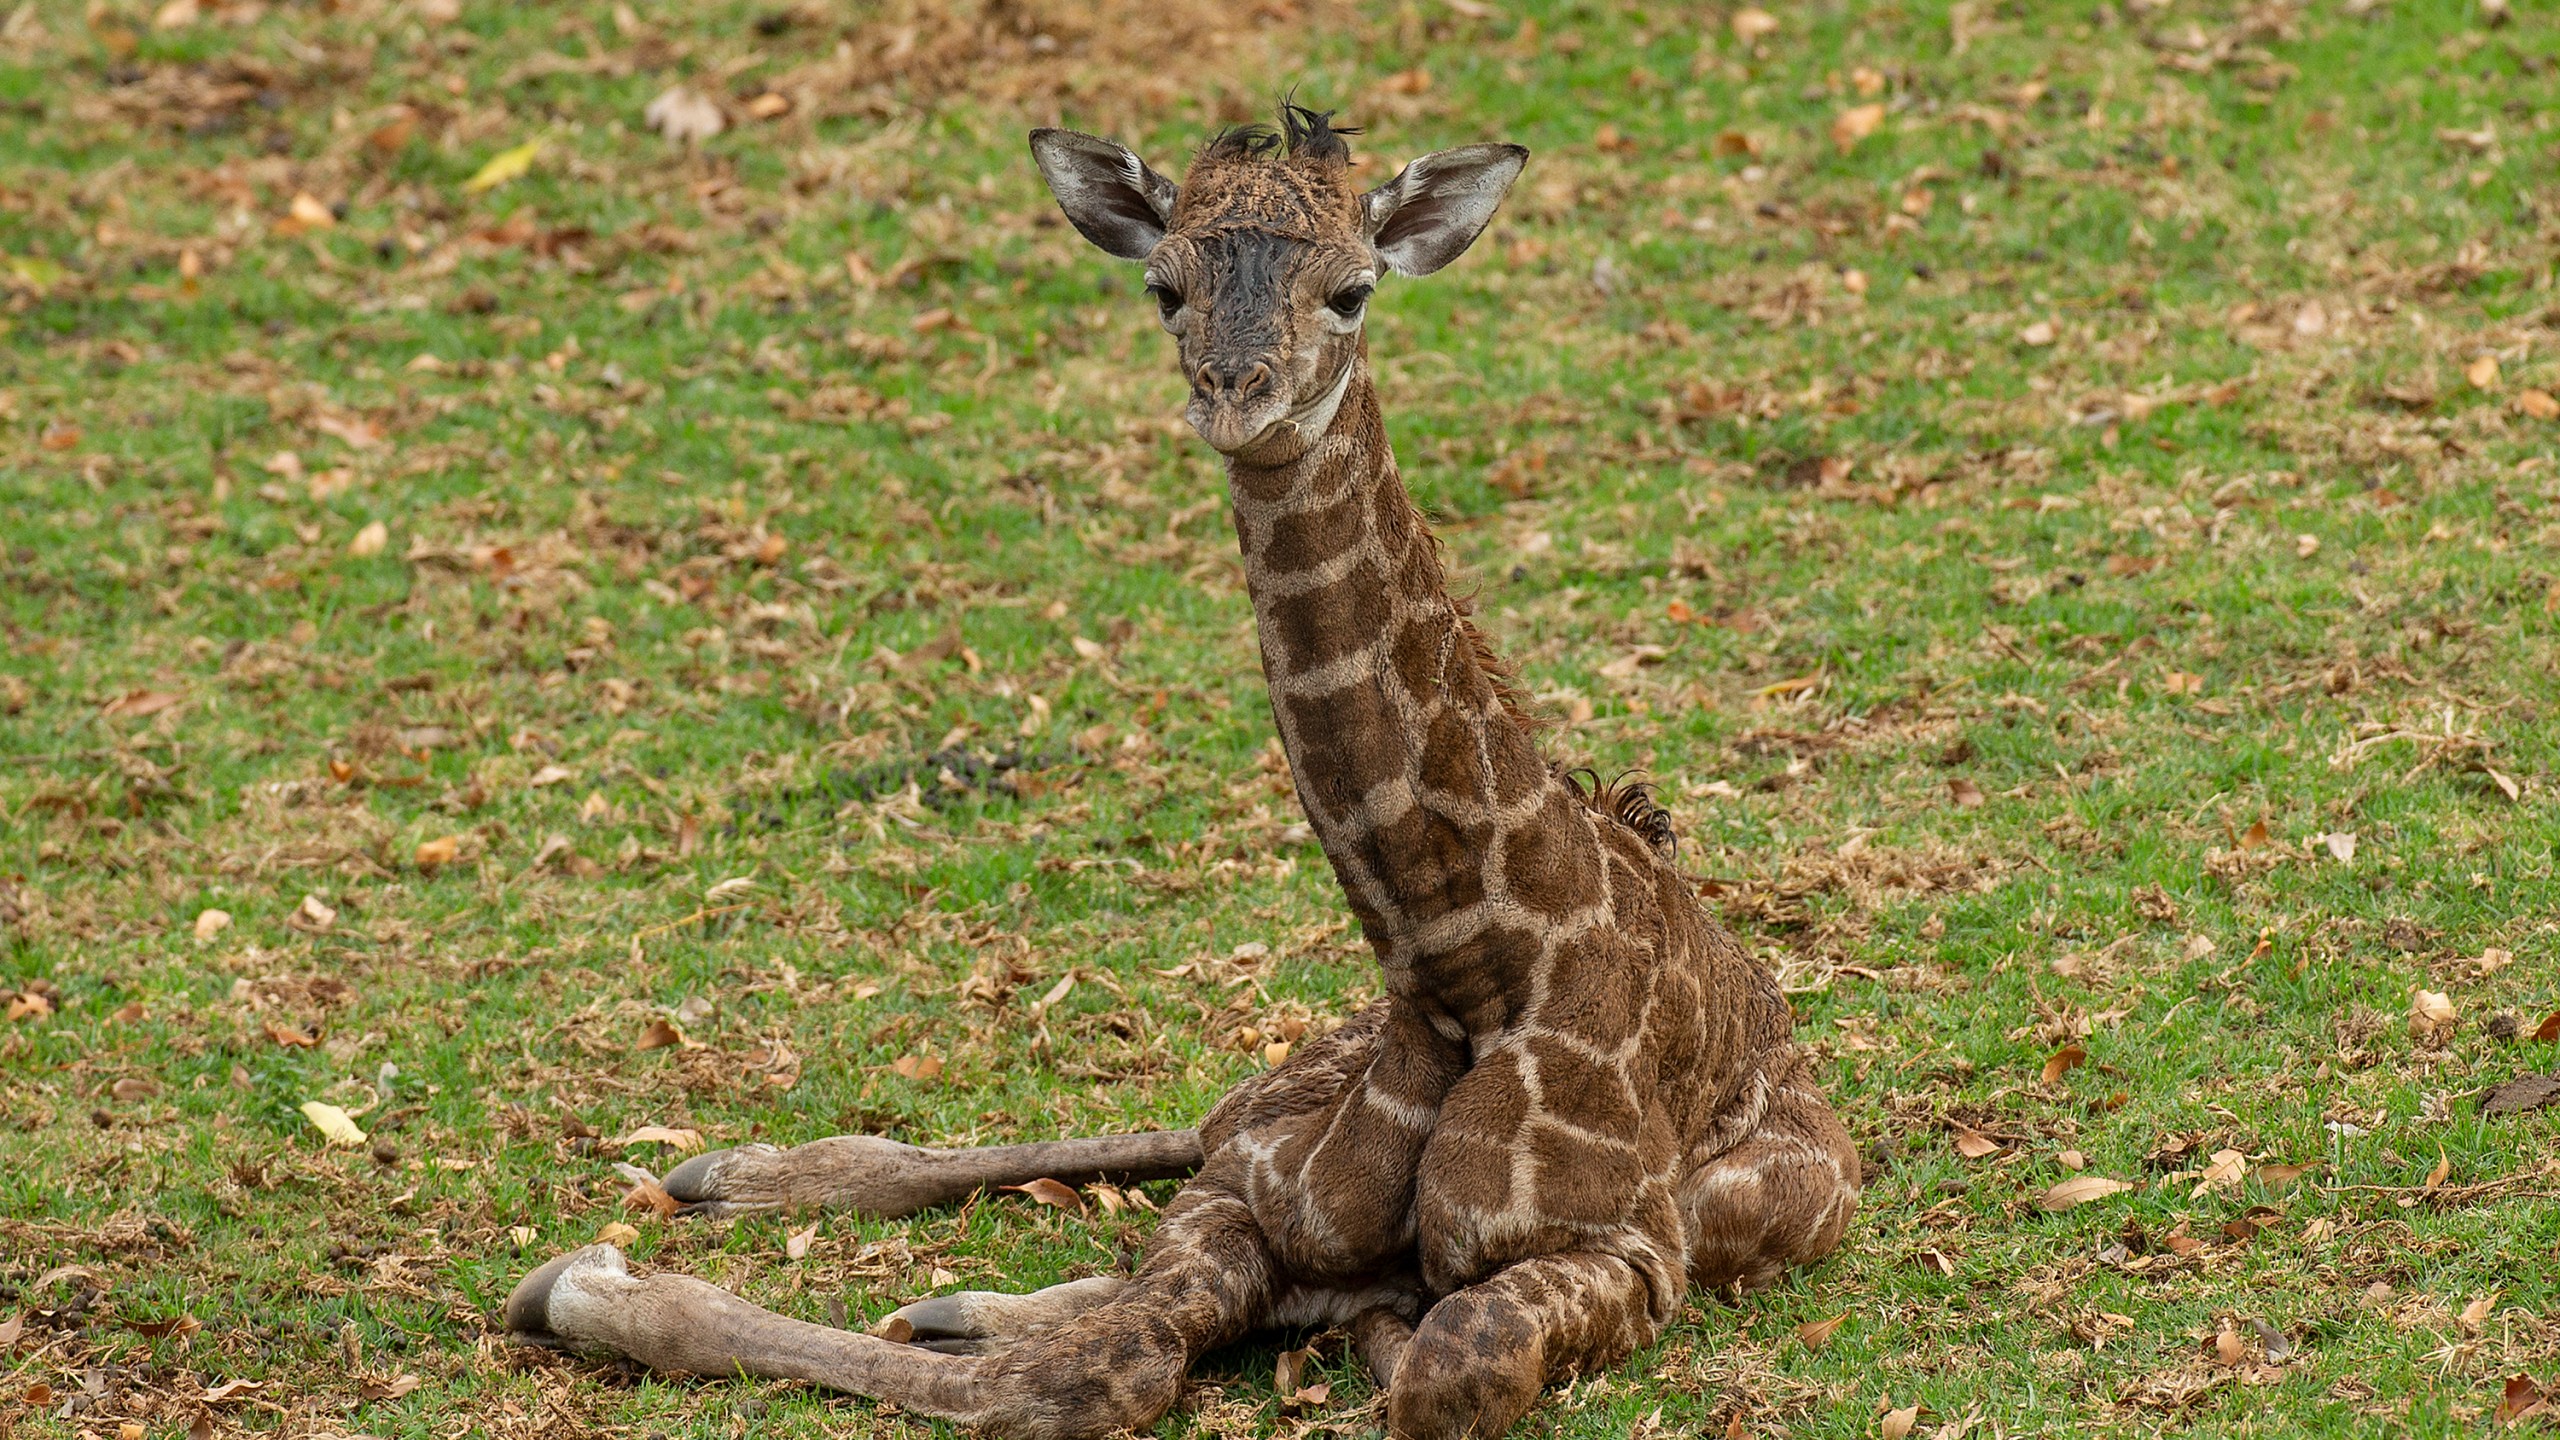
{"type": "Point", "coordinates": [136, 703]}
{"type": "Point", "coordinates": [332, 1122]}
{"type": "Point", "coordinates": [2280, 1177]}
{"type": "Point", "coordinates": [1972, 1144]}
{"type": "Point", "coordinates": [1855, 124]}
{"type": "Point", "coordinates": [231, 1390]}
{"type": "Point", "coordinates": [1050, 1192]}
{"type": "Point", "coordinates": [550, 775]}
{"type": "Point", "coordinates": [660, 1034]}
{"type": "Point", "coordinates": [686, 1141]}
{"type": "Point", "coordinates": [308, 210]}
{"type": "Point", "coordinates": [2226, 1172]}
{"type": "Point", "coordinates": [1965, 794]}
{"type": "Point", "coordinates": [1798, 685]}
{"type": "Point", "coordinates": [795, 1246]}
{"type": "Point", "coordinates": [617, 1233]}
{"type": "Point", "coordinates": [1817, 1333]}
{"type": "Point", "coordinates": [391, 1389]}
{"type": "Point", "coordinates": [314, 914]}
{"type": "Point", "coordinates": [2063, 1061]}
{"type": "Point", "coordinates": [647, 1194]}
{"type": "Point", "coordinates": [2431, 1016]}
{"type": "Point", "coordinates": [1897, 1424]}
{"type": "Point", "coordinates": [370, 540]}
{"type": "Point", "coordinates": [133, 1088]}
{"type": "Point", "coordinates": [2482, 373]}
{"type": "Point", "coordinates": [2038, 335]}
{"type": "Point", "coordinates": [683, 117]}
{"type": "Point", "coordinates": [2476, 1314]}
{"type": "Point", "coordinates": [28, 1005]}
{"type": "Point", "coordinates": [2538, 404]}
{"type": "Point", "coordinates": [434, 853]}
{"type": "Point", "coordinates": [11, 1329]}
{"type": "Point", "coordinates": [504, 166]}
{"type": "Point", "coordinates": [2341, 845]}
{"type": "Point", "coordinates": [2549, 1029]}
{"type": "Point", "coordinates": [920, 1068]}
{"type": "Point", "coordinates": [2080, 1190]}
{"type": "Point", "coordinates": [2520, 1398]}
{"type": "Point", "coordinates": [210, 923]}
{"type": "Point", "coordinates": [296, 1037]}
{"type": "Point", "coordinates": [2228, 1348]}
{"type": "Point", "coordinates": [1751, 24]}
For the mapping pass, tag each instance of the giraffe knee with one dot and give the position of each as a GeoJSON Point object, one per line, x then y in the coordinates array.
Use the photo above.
{"type": "Point", "coordinates": [1472, 1368]}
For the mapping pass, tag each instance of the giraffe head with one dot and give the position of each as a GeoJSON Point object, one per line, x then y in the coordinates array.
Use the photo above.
{"type": "Point", "coordinates": [1262, 260]}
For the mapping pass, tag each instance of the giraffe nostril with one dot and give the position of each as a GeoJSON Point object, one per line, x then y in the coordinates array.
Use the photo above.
{"type": "Point", "coordinates": [1233, 379]}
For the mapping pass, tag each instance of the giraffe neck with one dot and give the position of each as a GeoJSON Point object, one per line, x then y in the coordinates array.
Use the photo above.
{"type": "Point", "coordinates": [1406, 760]}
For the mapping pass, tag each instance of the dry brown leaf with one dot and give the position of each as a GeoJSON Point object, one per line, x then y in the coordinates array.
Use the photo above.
{"type": "Point", "coordinates": [295, 1036]}
{"type": "Point", "coordinates": [2476, 1314]}
{"type": "Point", "coordinates": [370, 540]}
{"type": "Point", "coordinates": [617, 1233]}
{"type": "Point", "coordinates": [2228, 1348]}
{"type": "Point", "coordinates": [686, 1141]}
{"type": "Point", "coordinates": [1972, 1144]}
{"type": "Point", "coordinates": [210, 923]}
{"type": "Point", "coordinates": [2063, 1061]}
{"type": "Point", "coordinates": [2549, 1029]}
{"type": "Point", "coordinates": [1855, 124]}
{"type": "Point", "coordinates": [660, 1034]}
{"type": "Point", "coordinates": [683, 117]}
{"type": "Point", "coordinates": [2522, 1397]}
{"type": "Point", "coordinates": [1817, 1333]}
{"type": "Point", "coordinates": [2482, 373]}
{"type": "Point", "coordinates": [2038, 334]}
{"type": "Point", "coordinates": [795, 1246]}
{"type": "Point", "coordinates": [1896, 1424]}
{"type": "Point", "coordinates": [1051, 1192]}
{"type": "Point", "coordinates": [134, 704]}
{"type": "Point", "coordinates": [1965, 794]}
{"type": "Point", "coordinates": [439, 852]}
{"type": "Point", "coordinates": [920, 1068]}
{"type": "Point", "coordinates": [2538, 404]}
{"type": "Point", "coordinates": [2080, 1190]}
{"type": "Point", "coordinates": [2227, 1170]}
{"type": "Point", "coordinates": [2431, 1016]}
{"type": "Point", "coordinates": [1752, 24]}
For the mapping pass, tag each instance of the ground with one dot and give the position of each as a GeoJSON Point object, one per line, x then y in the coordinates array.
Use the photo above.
{"type": "Point", "coordinates": [528, 619]}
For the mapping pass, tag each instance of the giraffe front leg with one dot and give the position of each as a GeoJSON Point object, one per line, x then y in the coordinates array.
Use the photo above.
{"type": "Point", "coordinates": [884, 1179]}
{"type": "Point", "coordinates": [1480, 1357]}
{"type": "Point", "coordinates": [973, 1322]}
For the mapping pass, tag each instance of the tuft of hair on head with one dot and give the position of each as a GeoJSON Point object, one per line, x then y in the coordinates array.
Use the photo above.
{"type": "Point", "coordinates": [1312, 134]}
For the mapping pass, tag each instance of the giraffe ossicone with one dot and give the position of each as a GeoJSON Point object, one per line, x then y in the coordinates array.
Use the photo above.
{"type": "Point", "coordinates": [1578, 1099]}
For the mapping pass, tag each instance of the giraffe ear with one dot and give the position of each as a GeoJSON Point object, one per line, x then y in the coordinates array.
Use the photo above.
{"type": "Point", "coordinates": [1436, 207]}
{"type": "Point", "coordinates": [1109, 194]}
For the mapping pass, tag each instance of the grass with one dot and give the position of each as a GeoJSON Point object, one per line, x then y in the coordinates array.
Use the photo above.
{"type": "Point", "coordinates": [797, 603]}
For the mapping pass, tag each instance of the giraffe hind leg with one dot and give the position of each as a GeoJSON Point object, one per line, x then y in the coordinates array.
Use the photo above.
{"type": "Point", "coordinates": [884, 1179]}
{"type": "Point", "coordinates": [1780, 1199]}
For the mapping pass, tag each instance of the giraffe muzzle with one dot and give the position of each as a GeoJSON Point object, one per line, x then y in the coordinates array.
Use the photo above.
{"type": "Point", "coordinates": [1235, 402]}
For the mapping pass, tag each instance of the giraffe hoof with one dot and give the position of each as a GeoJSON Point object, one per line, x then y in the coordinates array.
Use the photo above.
{"type": "Point", "coordinates": [708, 1184]}
{"type": "Point", "coordinates": [697, 1181]}
{"type": "Point", "coordinates": [528, 1307]}
{"type": "Point", "coordinates": [939, 1318]}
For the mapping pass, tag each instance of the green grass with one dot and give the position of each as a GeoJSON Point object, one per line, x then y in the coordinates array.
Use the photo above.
{"type": "Point", "coordinates": [715, 572]}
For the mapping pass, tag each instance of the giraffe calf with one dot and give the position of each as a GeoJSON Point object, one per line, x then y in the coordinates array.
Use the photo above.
{"type": "Point", "coordinates": [1578, 1098]}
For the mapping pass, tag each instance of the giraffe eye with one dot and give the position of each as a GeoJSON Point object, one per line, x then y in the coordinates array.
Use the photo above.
{"type": "Point", "coordinates": [1347, 303]}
